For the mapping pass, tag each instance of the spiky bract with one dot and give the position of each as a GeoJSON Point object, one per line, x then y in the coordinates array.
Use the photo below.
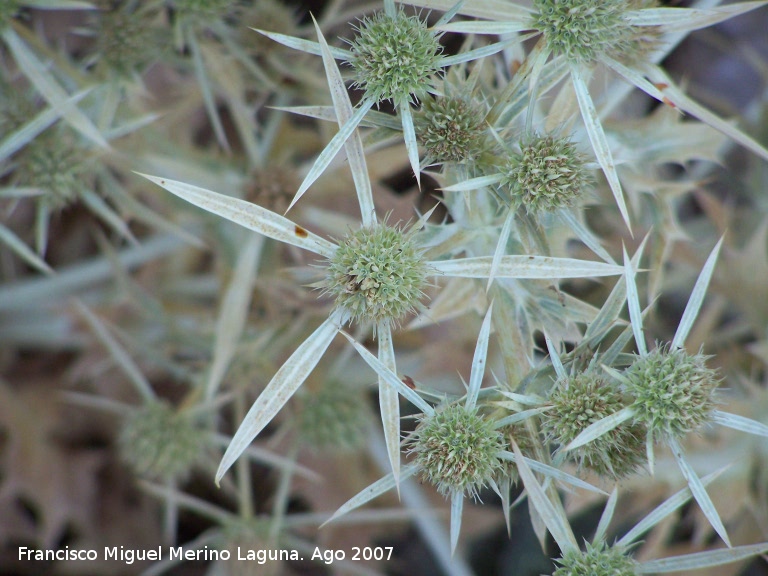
{"type": "Point", "coordinates": [394, 58]}
{"type": "Point", "coordinates": [585, 30]}
{"type": "Point", "coordinates": [161, 442]}
{"type": "Point", "coordinates": [596, 560]}
{"type": "Point", "coordinates": [457, 449]}
{"type": "Point", "coordinates": [673, 391]}
{"type": "Point", "coordinates": [580, 401]}
{"type": "Point", "coordinates": [450, 129]}
{"type": "Point", "coordinates": [334, 417]}
{"type": "Point", "coordinates": [548, 173]}
{"type": "Point", "coordinates": [127, 41]}
{"type": "Point", "coordinates": [377, 273]}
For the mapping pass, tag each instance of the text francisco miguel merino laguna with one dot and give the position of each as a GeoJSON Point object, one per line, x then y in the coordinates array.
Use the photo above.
{"type": "Point", "coordinates": [130, 555]}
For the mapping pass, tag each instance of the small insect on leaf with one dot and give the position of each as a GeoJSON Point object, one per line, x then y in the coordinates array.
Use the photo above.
{"type": "Point", "coordinates": [408, 381]}
{"type": "Point", "coordinates": [300, 232]}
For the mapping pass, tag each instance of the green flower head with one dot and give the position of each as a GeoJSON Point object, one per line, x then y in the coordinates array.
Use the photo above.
{"type": "Point", "coordinates": [548, 173]}
{"type": "Point", "coordinates": [395, 57]}
{"type": "Point", "coordinates": [160, 442]}
{"type": "Point", "coordinates": [585, 30]}
{"type": "Point", "coordinates": [450, 129]}
{"type": "Point", "coordinates": [457, 449]}
{"type": "Point", "coordinates": [580, 401]}
{"type": "Point", "coordinates": [377, 273]}
{"type": "Point", "coordinates": [334, 417]}
{"type": "Point", "coordinates": [596, 560]}
{"type": "Point", "coordinates": [673, 391]}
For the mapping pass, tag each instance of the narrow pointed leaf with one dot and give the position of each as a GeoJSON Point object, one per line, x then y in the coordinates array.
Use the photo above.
{"type": "Point", "coordinates": [702, 560]}
{"type": "Point", "coordinates": [39, 75]}
{"type": "Point", "coordinates": [118, 353]}
{"type": "Point", "coordinates": [664, 509]}
{"type": "Point", "coordinates": [209, 100]}
{"type": "Point", "coordinates": [698, 490]}
{"type": "Point", "coordinates": [479, 53]}
{"type": "Point", "coordinates": [598, 139]}
{"type": "Point", "coordinates": [391, 378]}
{"type": "Point", "coordinates": [283, 385]}
{"type": "Point", "coordinates": [234, 312]}
{"type": "Point", "coordinates": [354, 145]}
{"type": "Point", "coordinates": [389, 401]}
{"type": "Point", "coordinates": [457, 506]}
{"type": "Point", "coordinates": [607, 516]}
{"type": "Point", "coordinates": [697, 297]}
{"type": "Point", "coordinates": [375, 490]}
{"type": "Point", "coordinates": [551, 472]}
{"type": "Point", "coordinates": [449, 14]}
{"type": "Point", "coordinates": [24, 252]}
{"type": "Point", "coordinates": [409, 135]}
{"type": "Point", "coordinates": [633, 303]}
{"type": "Point", "coordinates": [597, 429]}
{"type": "Point", "coordinates": [248, 215]}
{"type": "Point", "coordinates": [501, 246]}
{"type": "Point", "coordinates": [333, 147]}
{"type": "Point", "coordinates": [555, 359]}
{"type": "Point", "coordinates": [689, 19]}
{"type": "Point", "coordinates": [525, 267]}
{"type": "Point", "coordinates": [486, 27]}
{"type": "Point", "coordinates": [676, 96]}
{"type": "Point", "coordinates": [740, 423]}
{"type": "Point", "coordinates": [475, 183]}
{"type": "Point", "coordinates": [584, 234]}
{"type": "Point", "coordinates": [307, 46]}
{"type": "Point", "coordinates": [556, 524]}
{"type": "Point", "coordinates": [479, 360]}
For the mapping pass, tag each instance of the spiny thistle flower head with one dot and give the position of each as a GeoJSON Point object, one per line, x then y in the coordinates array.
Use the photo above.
{"type": "Point", "coordinates": [450, 129]}
{"type": "Point", "coordinates": [333, 417]}
{"type": "Point", "coordinates": [580, 401]}
{"type": "Point", "coordinates": [585, 30]}
{"type": "Point", "coordinates": [548, 173]}
{"type": "Point", "coordinates": [160, 442]}
{"type": "Point", "coordinates": [394, 57]}
{"type": "Point", "coordinates": [673, 391]}
{"type": "Point", "coordinates": [456, 449]}
{"type": "Point", "coordinates": [56, 165]}
{"type": "Point", "coordinates": [127, 41]}
{"type": "Point", "coordinates": [596, 560]}
{"type": "Point", "coordinates": [377, 273]}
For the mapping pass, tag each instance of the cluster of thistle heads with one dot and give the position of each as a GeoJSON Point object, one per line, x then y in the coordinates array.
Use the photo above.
{"type": "Point", "coordinates": [521, 150]}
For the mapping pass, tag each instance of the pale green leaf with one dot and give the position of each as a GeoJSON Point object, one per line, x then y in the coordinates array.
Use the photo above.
{"type": "Point", "coordinates": [305, 45]}
{"type": "Point", "coordinates": [329, 152]}
{"type": "Point", "coordinates": [389, 401]}
{"type": "Point", "coordinates": [234, 312]}
{"type": "Point", "coordinates": [39, 75]}
{"type": "Point", "coordinates": [478, 53]}
{"type": "Point", "coordinates": [354, 145]}
{"type": "Point", "coordinates": [701, 560]}
{"type": "Point", "coordinates": [602, 426]}
{"type": "Point", "coordinates": [375, 490]}
{"type": "Point", "coordinates": [598, 139]}
{"type": "Point", "coordinates": [206, 90]}
{"type": "Point", "coordinates": [501, 246]}
{"type": "Point", "coordinates": [525, 267]}
{"type": "Point", "coordinates": [663, 510]}
{"type": "Point", "coordinates": [696, 298]}
{"type": "Point", "coordinates": [740, 423]}
{"type": "Point", "coordinates": [486, 27]}
{"type": "Point", "coordinates": [283, 385]}
{"type": "Point", "coordinates": [607, 516]}
{"type": "Point", "coordinates": [475, 183]}
{"type": "Point", "coordinates": [689, 19]}
{"type": "Point", "coordinates": [248, 215]}
{"type": "Point", "coordinates": [457, 506]}
{"type": "Point", "coordinates": [479, 361]}
{"type": "Point", "coordinates": [390, 378]}
{"type": "Point", "coordinates": [698, 490]}
{"type": "Point", "coordinates": [24, 252]}
{"type": "Point", "coordinates": [118, 353]}
{"type": "Point", "coordinates": [633, 303]}
{"type": "Point", "coordinates": [555, 359]}
{"type": "Point", "coordinates": [409, 136]}
{"type": "Point", "coordinates": [556, 523]}
{"type": "Point", "coordinates": [550, 472]}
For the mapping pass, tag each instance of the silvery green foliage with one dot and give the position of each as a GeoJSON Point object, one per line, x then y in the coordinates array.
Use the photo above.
{"type": "Point", "coordinates": [539, 181]}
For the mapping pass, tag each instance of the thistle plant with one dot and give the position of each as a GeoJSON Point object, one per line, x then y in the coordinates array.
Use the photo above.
{"type": "Point", "coordinates": [204, 323]}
